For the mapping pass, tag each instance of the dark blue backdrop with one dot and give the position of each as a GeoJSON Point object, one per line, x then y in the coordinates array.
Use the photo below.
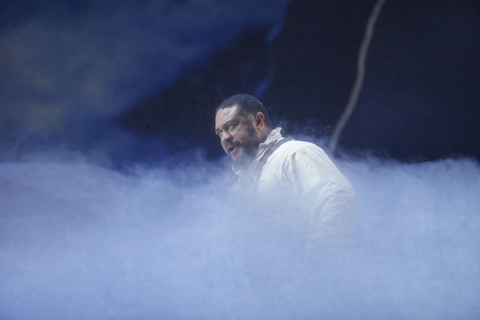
{"type": "Point", "coordinates": [137, 81]}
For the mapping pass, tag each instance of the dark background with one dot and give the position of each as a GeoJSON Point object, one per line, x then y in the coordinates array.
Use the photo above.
{"type": "Point", "coordinates": [137, 81]}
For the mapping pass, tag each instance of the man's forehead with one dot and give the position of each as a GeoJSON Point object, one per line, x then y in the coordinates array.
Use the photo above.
{"type": "Point", "coordinates": [225, 115]}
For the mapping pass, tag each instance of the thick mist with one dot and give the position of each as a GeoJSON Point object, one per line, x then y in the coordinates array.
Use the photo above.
{"type": "Point", "coordinates": [78, 241]}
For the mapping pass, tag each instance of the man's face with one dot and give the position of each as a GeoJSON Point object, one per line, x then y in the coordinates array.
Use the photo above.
{"type": "Point", "coordinates": [238, 135]}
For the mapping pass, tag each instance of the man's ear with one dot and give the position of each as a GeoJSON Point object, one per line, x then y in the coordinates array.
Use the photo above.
{"type": "Point", "coordinates": [259, 120]}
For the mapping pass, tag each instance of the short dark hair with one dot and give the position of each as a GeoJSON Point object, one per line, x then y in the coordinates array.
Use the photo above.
{"type": "Point", "coordinates": [247, 105]}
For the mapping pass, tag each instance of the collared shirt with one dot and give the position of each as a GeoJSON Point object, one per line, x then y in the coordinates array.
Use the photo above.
{"type": "Point", "coordinates": [300, 176]}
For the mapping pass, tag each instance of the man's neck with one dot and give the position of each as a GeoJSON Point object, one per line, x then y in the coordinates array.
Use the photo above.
{"type": "Point", "coordinates": [264, 135]}
{"type": "Point", "coordinates": [271, 138]}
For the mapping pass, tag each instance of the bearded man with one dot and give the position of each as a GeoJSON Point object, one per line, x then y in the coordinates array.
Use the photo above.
{"type": "Point", "coordinates": [278, 172]}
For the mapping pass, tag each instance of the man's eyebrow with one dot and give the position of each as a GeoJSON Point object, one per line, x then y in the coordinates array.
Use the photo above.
{"type": "Point", "coordinates": [226, 124]}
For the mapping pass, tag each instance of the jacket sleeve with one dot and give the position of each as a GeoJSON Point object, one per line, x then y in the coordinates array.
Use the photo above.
{"type": "Point", "coordinates": [324, 194]}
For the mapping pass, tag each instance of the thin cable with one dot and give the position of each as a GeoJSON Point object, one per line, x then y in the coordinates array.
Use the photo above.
{"type": "Point", "coordinates": [267, 80]}
{"type": "Point", "coordinates": [360, 76]}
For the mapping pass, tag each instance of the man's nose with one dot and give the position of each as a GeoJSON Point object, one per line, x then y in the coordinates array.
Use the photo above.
{"type": "Point", "coordinates": [226, 137]}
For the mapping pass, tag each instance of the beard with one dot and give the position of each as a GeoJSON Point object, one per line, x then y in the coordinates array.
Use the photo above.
{"type": "Point", "coordinates": [249, 148]}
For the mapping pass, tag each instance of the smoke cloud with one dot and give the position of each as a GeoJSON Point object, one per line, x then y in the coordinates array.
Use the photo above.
{"type": "Point", "coordinates": [79, 241]}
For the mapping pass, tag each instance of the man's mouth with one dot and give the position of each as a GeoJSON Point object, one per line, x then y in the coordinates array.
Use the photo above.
{"type": "Point", "coordinates": [232, 148]}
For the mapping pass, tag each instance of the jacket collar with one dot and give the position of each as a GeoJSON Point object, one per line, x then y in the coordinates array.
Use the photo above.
{"type": "Point", "coordinates": [274, 136]}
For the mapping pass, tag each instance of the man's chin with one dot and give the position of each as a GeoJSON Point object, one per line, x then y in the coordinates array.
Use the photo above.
{"type": "Point", "coordinates": [243, 161]}
{"type": "Point", "coordinates": [237, 154]}
{"type": "Point", "coordinates": [237, 159]}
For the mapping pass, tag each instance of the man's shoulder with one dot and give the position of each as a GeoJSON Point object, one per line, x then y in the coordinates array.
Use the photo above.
{"type": "Point", "coordinates": [292, 146]}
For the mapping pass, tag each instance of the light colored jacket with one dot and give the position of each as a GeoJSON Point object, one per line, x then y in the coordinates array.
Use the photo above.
{"type": "Point", "coordinates": [300, 176]}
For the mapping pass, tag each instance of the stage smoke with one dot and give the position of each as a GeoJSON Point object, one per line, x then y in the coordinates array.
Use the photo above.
{"type": "Point", "coordinates": [78, 241]}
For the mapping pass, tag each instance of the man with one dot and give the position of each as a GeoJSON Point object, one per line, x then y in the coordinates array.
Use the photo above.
{"type": "Point", "coordinates": [293, 175]}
